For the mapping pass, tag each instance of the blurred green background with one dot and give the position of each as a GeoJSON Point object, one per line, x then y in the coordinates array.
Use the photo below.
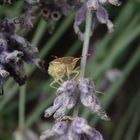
{"type": "Point", "coordinates": [118, 52]}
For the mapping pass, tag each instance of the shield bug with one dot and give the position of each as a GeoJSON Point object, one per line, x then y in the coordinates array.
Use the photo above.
{"type": "Point", "coordinates": [63, 67]}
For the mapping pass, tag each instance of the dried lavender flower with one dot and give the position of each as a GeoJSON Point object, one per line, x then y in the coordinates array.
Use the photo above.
{"type": "Point", "coordinates": [72, 129]}
{"type": "Point", "coordinates": [14, 51]}
{"type": "Point", "coordinates": [68, 95]}
{"type": "Point", "coordinates": [110, 76]}
{"type": "Point", "coordinates": [114, 2]}
{"type": "Point", "coordinates": [102, 16]}
{"type": "Point", "coordinates": [89, 99]}
{"type": "Point", "coordinates": [99, 14]}
{"type": "Point", "coordinates": [66, 99]}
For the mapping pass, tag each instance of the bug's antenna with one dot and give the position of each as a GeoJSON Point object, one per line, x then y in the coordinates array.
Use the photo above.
{"type": "Point", "coordinates": [99, 92]}
{"type": "Point", "coordinates": [54, 56]}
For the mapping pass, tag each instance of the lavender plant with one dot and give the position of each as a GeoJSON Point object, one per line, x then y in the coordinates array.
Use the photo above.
{"type": "Point", "coordinates": [82, 89]}
{"type": "Point", "coordinates": [15, 50]}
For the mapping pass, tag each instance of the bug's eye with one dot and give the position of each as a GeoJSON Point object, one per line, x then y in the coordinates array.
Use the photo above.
{"type": "Point", "coordinates": [55, 15]}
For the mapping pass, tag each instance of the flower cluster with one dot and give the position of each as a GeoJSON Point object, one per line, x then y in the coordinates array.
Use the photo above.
{"type": "Point", "coordinates": [72, 129]}
{"type": "Point", "coordinates": [14, 51]}
{"type": "Point", "coordinates": [50, 10]}
{"type": "Point", "coordinates": [99, 14]}
{"type": "Point", "coordinates": [53, 10]}
{"type": "Point", "coordinates": [69, 94]}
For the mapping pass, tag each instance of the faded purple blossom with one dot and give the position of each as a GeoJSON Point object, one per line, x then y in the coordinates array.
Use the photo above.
{"type": "Point", "coordinates": [14, 51]}
{"type": "Point", "coordinates": [66, 99]}
{"type": "Point", "coordinates": [72, 129]}
{"type": "Point", "coordinates": [69, 93]}
{"type": "Point", "coordinates": [89, 98]}
{"type": "Point", "coordinates": [99, 14]}
{"type": "Point", "coordinates": [53, 10]}
{"type": "Point", "coordinates": [110, 76]}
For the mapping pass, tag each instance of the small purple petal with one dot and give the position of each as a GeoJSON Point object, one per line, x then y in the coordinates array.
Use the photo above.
{"type": "Point", "coordinates": [80, 15]}
{"type": "Point", "coordinates": [58, 102]}
{"type": "Point", "coordinates": [102, 15]}
{"type": "Point", "coordinates": [60, 128]}
{"type": "Point", "coordinates": [92, 5]}
{"type": "Point", "coordinates": [114, 2]}
{"type": "Point", "coordinates": [49, 111]}
{"type": "Point", "coordinates": [60, 112]}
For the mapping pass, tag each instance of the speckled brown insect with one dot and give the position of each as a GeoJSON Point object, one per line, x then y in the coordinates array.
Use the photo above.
{"type": "Point", "coordinates": [63, 67]}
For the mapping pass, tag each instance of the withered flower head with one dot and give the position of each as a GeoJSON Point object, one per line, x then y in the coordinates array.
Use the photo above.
{"type": "Point", "coordinates": [72, 129]}
{"type": "Point", "coordinates": [14, 51]}
{"type": "Point", "coordinates": [99, 14]}
{"type": "Point", "coordinates": [68, 94]}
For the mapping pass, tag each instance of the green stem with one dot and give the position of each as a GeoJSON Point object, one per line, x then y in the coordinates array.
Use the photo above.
{"type": "Point", "coordinates": [87, 35]}
{"type": "Point", "coordinates": [22, 107]}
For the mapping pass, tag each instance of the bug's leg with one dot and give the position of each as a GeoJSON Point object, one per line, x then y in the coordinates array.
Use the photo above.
{"type": "Point", "coordinates": [99, 92]}
{"type": "Point", "coordinates": [59, 81]}
{"type": "Point", "coordinates": [68, 73]}
{"type": "Point", "coordinates": [76, 74]}
{"type": "Point", "coordinates": [52, 84]}
{"type": "Point", "coordinates": [76, 71]}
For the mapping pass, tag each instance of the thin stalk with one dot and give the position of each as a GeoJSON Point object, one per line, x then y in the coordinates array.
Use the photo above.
{"type": "Point", "coordinates": [22, 107]}
{"type": "Point", "coordinates": [87, 36]}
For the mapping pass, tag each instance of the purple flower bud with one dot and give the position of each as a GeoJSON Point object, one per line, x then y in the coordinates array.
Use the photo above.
{"type": "Point", "coordinates": [8, 57]}
{"type": "Point", "coordinates": [79, 125]}
{"type": "Point", "coordinates": [63, 137]}
{"type": "Point", "coordinates": [96, 135]}
{"type": "Point", "coordinates": [27, 22]}
{"type": "Point", "coordinates": [70, 94]}
{"type": "Point", "coordinates": [60, 112]}
{"type": "Point", "coordinates": [110, 26]}
{"type": "Point", "coordinates": [7, 25]}
{"type": "Point", "coordinates": [92, 5]}
{"type": "Point", "coordinates": [89, 99]}
{"type": "Point", "coordinates": [65, 8]}
{"type": "Point", "coordinates": [72, 129]}
{"type": "Point", "coordinates": [102, 16]}
{"type": "Point", "coordinates": [56, 105]}
{"type": "Point", "coordinates": [17, 71]}
{"type": "Point", "coordinates": [79, 18]}
{"type": "Point", "coordinates": [58, 102]}
{"type": "Point", "coordinates": [49, 111]}
{"type": "Point", "coordinates": [18, 40]}
{"type": "Point", "coordinates": [14, 56]}
{"type": "Point", "coordinates": [113, 74]}
{"type": "Point", "coordinates": [114, 2]}
{"type": "Point", "coordinates": [60, 128]}
{"type": "Point", "coordinates": [80, 15]}
{"type": "Point", "coordinates": [3, 73]}
{"type": "Point", "coordinates": [3, 43]}
{"type": "Point", "coordinates": [102, 1]}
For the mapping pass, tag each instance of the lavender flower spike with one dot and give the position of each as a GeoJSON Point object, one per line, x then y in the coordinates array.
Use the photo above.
{"type": "Point", "coordinates": [72, 129]}
{"type": "Point", "coordinates": [89, 99]}
{"type": "Point", "coordinates": [66, 99]}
